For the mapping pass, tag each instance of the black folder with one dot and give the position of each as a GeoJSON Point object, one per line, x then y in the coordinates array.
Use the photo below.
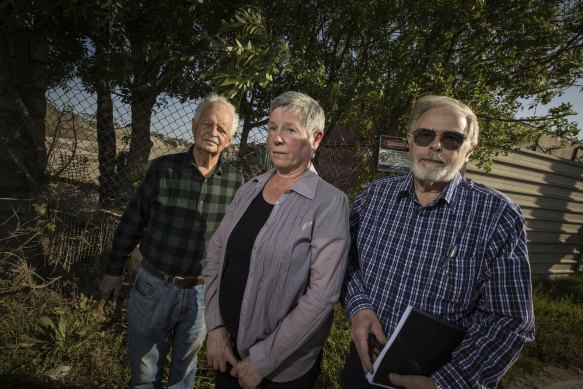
{"type": "Point", "coordinates": [420, 345]}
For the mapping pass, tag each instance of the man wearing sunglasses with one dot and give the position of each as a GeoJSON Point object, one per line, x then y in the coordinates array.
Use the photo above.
{"type": "Point", "coordinates": [445, 245]}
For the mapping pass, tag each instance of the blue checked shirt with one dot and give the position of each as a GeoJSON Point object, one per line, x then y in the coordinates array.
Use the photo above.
{"type": "Point", "coordinates": [173, 214]}
{"type": "Point", "coordinates": [462, 258]}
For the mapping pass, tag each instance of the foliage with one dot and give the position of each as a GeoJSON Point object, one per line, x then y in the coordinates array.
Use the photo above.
{"type": "Point", "coordinates": [61, 336]}
{"type": "Point", "coordinates": [205, 375]}
{"type": "Point", "coordinates": [92, 337]}
{"type": "Point", "coordinates": [367, 62]}
{"type": "Point", "coordinates": [139, 50]}
{"type": "Point", "coordinates": [558, 306]}
{"type": "Point", "coordinates": [42, 331]}
{"type": "Point", "coordinates": [248, 57]}
{"type": "Point", "coordinates": [335, 350]}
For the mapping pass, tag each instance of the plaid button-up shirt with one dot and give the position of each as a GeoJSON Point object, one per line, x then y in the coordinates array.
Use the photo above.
{"type": "Point", "coordinates": [173, 214]}
{"type": "Point", "coordinates": [462, 258]}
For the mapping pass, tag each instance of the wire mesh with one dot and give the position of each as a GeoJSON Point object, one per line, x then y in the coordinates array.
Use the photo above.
{"type": "Point", "coordinates": [82, 228]}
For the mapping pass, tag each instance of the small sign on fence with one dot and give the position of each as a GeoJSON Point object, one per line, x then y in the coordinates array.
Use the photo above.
{"type": "Point", "coordinates": [393, 154]}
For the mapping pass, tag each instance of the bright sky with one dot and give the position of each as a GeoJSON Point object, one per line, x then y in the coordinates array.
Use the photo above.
{"type": "Point", "coordinates": [573, 95]}
{"type": "Point", "coordinates": [173, 118]}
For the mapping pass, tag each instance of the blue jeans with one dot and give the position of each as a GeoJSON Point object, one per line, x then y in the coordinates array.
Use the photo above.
{"type": "Point", "coordinates": [162, 316]}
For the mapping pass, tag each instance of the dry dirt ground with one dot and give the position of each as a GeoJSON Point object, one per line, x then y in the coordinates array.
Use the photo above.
{"type": "Point", "coordinates": [552, 378]}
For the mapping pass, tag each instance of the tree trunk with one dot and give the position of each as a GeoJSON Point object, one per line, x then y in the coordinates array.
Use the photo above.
{"type": "Point", "coordinates": [131, 169]}
{"type": "Point", "coordinates": [106, 139]}
{"type": "Point", "coordinates": [23, 159]}
{"type": "Point", "coordinates": [23, 85]}
{"type": "Point", "coordinates": [106, 142]}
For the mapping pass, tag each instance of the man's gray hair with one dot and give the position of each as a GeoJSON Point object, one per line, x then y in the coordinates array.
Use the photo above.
{"type": "Point", "coordinates": [309, 111]}
{"type": "Point", "coordinates": [428, 102]}
{"type": "Point", "coordinates": [215, 98]}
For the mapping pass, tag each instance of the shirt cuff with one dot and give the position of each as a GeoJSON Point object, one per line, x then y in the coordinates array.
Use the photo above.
{"type": "Point", "coordinates": [260, 361]}
{"type": "Point", "coordinates": [213, 320]}
{"type": "Point", "coordinates": [356, 304]}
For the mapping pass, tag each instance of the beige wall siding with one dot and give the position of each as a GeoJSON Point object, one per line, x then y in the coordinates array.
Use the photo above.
{"type": "Point", "coordinates": [549, 191]}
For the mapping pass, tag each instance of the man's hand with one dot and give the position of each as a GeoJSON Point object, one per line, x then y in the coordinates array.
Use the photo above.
{"type": "Point", "coordinates": [110, 285]}
{"type": "Point", "coordinates": [249, 378]}
{"type": "Point", "coordinates": [411, 381]}
{"type": "Point", "coordinates": [218, 349]}
{"type": "Point", "coordinates": [363, 324]}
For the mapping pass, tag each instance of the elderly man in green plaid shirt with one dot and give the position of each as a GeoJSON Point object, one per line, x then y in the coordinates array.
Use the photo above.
{"type": "Point", "coordinates": [172, 216]}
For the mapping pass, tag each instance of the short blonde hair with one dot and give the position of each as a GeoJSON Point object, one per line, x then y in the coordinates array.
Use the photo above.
{"type": "Point", "coordinates": [309, 111]}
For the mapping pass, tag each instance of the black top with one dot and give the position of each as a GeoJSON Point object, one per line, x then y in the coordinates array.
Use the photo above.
{"type": "Point", "coordinates": [237, 260]}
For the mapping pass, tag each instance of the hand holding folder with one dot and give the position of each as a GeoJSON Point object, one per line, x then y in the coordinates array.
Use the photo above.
{"type": "Point", "coordinates": [420, 345]}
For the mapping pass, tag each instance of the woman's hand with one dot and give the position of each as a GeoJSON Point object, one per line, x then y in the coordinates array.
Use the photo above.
{"type": "Point", "coordinates": [218, 349]}
{"type": "Point", "coordinates": [249, 378]}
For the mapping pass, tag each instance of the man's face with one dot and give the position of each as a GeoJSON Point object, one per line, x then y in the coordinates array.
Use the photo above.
{"type": "Point", "coordinates": [212, 132]}
{"type": "Point", "coordinates": [433, 163]}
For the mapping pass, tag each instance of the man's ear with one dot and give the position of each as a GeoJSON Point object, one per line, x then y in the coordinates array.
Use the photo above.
{"type": "Point", "coordinates": [409, 139]}
{"type": "Point", "coordinates": [192, 126]}
{"type": "Point", "coordinates": [469, 152]}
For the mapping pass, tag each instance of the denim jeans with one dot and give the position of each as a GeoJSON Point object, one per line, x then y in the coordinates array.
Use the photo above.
{"type": "Point", "coordinates": [161, 317]}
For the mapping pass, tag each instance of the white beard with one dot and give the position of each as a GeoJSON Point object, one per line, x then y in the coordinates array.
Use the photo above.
{"type": "Point", "coordinates": [444, 173]}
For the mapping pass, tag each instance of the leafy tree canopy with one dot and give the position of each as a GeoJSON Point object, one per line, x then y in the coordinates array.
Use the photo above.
{"type": "Point", "coordinates": [367, 61]}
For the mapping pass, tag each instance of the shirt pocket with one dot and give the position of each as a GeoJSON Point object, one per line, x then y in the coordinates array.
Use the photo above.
{"type": "Point", "coordinates": [454, 285]}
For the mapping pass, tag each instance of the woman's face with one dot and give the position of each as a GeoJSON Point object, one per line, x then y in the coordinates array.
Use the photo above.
{"type": "Point", "coordinates": [288, 141]}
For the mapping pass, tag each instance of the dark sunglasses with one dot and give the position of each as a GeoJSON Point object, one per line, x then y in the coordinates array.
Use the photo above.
{"type": "Point", "coordinates": [450, 140]}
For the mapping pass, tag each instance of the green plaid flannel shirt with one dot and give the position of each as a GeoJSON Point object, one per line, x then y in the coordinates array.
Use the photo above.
{"type": "Point", "coordinates": [173, 214]}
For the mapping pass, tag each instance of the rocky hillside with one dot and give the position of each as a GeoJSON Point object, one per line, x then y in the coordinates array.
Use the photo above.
{"type": "Point", "coordinates": [71, 142]}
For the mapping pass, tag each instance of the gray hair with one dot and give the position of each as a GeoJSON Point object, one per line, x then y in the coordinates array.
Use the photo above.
{"type": "Point", "coordinates": [215, 98]}
{"type": "Point", "coordinates": [309, 111]}
{"type": "Point", "coordinates": [428, 102]}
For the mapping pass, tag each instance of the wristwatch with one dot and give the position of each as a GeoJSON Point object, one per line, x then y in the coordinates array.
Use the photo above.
{"type": "Point", "coordinates": [437, 386]}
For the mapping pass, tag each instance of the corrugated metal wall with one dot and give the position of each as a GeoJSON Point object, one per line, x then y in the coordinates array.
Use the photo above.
{"type": "Point", "coordinates": [549, 191]}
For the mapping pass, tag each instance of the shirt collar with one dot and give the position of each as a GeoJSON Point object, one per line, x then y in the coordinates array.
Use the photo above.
{"type": "Point", "coordinates": [189, 161]}
{"type": "Point", "coordinates": [450, 190]}
{"type": "Point", "coordinates": [407, 188]}
{"type": "Point", "coordinates": [305, 186]}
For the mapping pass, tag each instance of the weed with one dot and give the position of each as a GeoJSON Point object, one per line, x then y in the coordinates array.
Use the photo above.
{"type": "Point", "coordinates": [558, 309]}
{"type": "Point", "coordinates": [335, 351]}
{"type": "Point", "coordinates": [41, 329]}
{"type": "Point", "coordinates": [60, 337]}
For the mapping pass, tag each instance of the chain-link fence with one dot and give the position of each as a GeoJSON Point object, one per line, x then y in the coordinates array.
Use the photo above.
{"type": "Point", "coordinates": [81, 227]}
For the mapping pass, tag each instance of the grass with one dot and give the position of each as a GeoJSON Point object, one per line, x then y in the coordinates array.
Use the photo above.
{"type": "Point", "coordinates": [558, 307]}
{"type": "Point", "coordinates": [47, 324]}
